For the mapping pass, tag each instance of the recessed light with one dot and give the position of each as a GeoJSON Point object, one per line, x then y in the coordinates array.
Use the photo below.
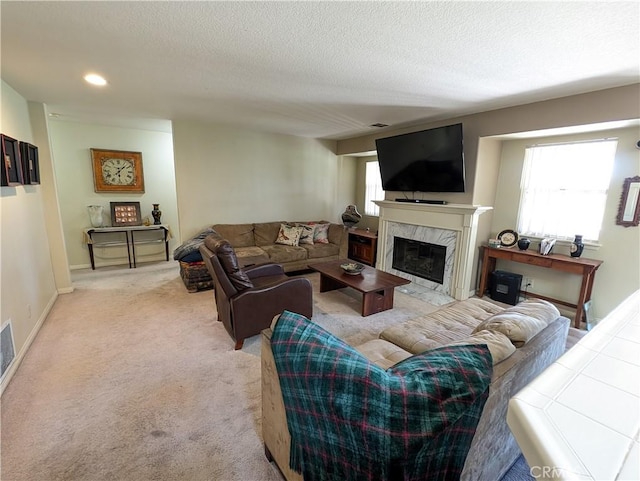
{"type": "Point", "coordinates": [95, 79]}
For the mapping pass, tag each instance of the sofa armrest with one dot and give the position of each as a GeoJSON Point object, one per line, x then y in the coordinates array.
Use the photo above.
{"type": "Point", "coordinates": [262, 270]}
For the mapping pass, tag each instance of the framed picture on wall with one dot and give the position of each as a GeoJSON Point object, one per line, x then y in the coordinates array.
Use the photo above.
{"type": "Point", "coordinates": [117, 171]}
{"type": "Point", "coordinates": [30, 163]}
{"type": "Point", "coordinates": [125, 214]}
{"type": "Point", "coordinates": [11, 172]}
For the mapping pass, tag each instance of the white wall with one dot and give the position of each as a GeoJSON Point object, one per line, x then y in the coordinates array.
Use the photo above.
{"type": "Point", "coordinates": [228, 175]}
{"type": "Point", "coordinates": [71, 142]}
{"type": "Point", "coordinates": [27, 283]}
{"type": "Point", "coordinates": [619, 275]}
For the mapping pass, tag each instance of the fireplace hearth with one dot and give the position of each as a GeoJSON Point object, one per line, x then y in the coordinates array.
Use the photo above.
{"type": "Point", "coordinates": [421, 259]}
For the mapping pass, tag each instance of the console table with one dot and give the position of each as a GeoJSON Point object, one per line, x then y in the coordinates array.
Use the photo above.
{"type": "Point", "coordinates": [574, 265]}
{"type": "Point", "coordinates": [126, 236]}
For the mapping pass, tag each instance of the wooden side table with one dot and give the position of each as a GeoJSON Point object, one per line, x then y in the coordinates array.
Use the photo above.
{"type": "Point", "coordinates": [363, 246]}
{"type": "Point", "coordinates": [574, 265]}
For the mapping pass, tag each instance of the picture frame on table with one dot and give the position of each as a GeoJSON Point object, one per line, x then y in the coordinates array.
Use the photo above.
{"type": "Point", "coordinates": [11, 172]}
{"type": "Point", "coordinates": [125, 214]}
{"type": "Point", "coordinates": [30, 163]}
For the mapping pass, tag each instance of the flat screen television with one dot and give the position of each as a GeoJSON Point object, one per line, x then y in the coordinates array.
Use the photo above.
{"type": "Point", "coordinates": [426, 161]}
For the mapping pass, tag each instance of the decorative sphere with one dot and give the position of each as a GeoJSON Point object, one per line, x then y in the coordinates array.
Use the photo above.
{"type": "Point", "coordinates": [523, 244]}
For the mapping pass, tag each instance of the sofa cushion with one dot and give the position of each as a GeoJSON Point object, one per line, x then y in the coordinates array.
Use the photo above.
{"type": "Point", "coordinates": [523, 321]}
{"type": "Point", "coordinates": [289, 235]}
{"type": "Point", "coordinates": [229, 262]}
{"type": "Point", "coordinates": [248, 256]}
{"type": "Point", "coordinates": [499, 345]}
{"type": "Point", "coordinates": [317, 251]}
{"type": "Point", "coordinates": [280, 254]}
{"type": "Point", "coordinates": [238, 235]}
{"type": "Point", "coordinates": [265, 233]}
{"type": "Point", "coordinates": [443, 326]}
{"type": "Point", "coordinates": [382, 353]}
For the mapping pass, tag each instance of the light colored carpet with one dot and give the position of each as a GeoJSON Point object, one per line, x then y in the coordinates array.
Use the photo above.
{"type": "Point", "coordinates": [132, 378]}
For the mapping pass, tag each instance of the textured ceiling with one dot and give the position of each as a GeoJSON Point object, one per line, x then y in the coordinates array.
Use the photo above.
{"type": "Point", "coordinates": [313, 69]}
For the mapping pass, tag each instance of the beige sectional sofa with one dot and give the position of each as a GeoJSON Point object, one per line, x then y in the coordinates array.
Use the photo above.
{"type": "Point", "coordinates": [256, 244]}
{"type": "Point", "coordinates": [535, 326]}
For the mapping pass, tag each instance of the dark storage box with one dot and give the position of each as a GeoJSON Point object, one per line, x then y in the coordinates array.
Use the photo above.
{"type": "Point", "coordinates": [195, 276]}
{"type": "Point", "coordinates": [505, 287]}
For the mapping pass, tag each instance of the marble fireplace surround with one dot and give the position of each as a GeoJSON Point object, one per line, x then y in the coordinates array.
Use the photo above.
{"type": "Point", "coordinates": [452, 225]}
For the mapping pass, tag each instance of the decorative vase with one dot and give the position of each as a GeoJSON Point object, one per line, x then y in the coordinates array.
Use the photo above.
{"type": "Point", "coordinates": [523, 244]}
{"type": "Point", "coordinates": [576, 246]}
{"type": "Point", "coordinates": [156, 213]}
{"type": "Point", "coordinates": [95, 214]}
{"type": "Point", "coordinates": [351, 216]}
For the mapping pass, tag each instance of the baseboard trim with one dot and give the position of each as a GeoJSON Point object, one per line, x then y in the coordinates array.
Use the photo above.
{"type": "Point", "coordinates": [32, 335]}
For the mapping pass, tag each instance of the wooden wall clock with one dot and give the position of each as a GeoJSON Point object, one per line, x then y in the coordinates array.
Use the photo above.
{"type": "Point", "coordinates": [117, 171]}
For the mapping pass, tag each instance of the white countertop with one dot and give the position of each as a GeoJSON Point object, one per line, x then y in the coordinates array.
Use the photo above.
{"type": "Point", "coordinates": [580, 419]}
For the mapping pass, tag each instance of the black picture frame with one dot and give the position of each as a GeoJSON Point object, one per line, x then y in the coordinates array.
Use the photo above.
{"type": "Point", "coordinates": [125, 214]}
{"type": "Point", "coordinates": [30, 163]}
{"type": "Point", "coordinates": [11, 171]}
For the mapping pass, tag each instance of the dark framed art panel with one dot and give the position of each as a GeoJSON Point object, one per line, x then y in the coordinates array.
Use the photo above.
{"type": "Point", "coordinates": [30, 163]}
{"type": "Point", "coordinates": [125, 214]}
{"type": "Point", "coordinates": [11, 174]}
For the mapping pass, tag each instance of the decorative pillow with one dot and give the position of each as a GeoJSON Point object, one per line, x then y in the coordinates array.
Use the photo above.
{"type": "Point", "coordinates": [289, 235]}
{"type": "Point", "coordinates": [416, 417]}
{"type": "Point", "coordinates": [307, 233]}
{"type": "Point", "coordinates": [321, 234]}
{"type": "Point", "coordinates": [521, 322]}
{"type": "Point", "coordinates": [499, 345]}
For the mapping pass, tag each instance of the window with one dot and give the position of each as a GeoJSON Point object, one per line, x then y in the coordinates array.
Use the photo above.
{"type": "Point", "coordinates": [372, 188]}
{"type": "Point", "coordinates": [564, 189]}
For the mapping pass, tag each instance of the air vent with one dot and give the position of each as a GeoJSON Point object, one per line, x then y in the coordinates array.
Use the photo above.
{"type": "Point", "coordinates": [379, 126]}
{"type": "Point", "coordinates": [7, 350]}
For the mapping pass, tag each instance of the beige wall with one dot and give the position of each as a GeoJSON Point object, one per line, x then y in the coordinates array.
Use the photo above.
{"type": "Point", "coordinates": [27, 287]}
{"type": "Point", "coordinates": [483, 163]}
{"type": "Point", "coordinates": [228, 175]}
{"type": "Point", "coordinates": [71, 142]}
{"type": "Point", "coordinates": [619, 275]}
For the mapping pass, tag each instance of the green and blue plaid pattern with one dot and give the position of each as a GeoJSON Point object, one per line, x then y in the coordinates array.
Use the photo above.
{"type": "Point", "coordinates": [351, 420]}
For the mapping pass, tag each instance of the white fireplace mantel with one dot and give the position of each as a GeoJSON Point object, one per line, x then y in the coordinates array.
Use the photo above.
{"type": "Point", "coordinates": [459, 218]}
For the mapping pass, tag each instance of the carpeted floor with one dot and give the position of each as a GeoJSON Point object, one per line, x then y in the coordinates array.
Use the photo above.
{"type": "Point", "coordinates": [132, 378]}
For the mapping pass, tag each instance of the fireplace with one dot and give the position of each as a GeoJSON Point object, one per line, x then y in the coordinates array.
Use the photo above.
{"type": "Point", "coordinates": [421, 259]}
{"type": "Point", "coordinates": [452, 226]}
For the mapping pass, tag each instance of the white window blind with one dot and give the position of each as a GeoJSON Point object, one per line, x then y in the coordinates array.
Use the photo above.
{"type": "Point", "coordinates": [564, 189]}
{"type": "Point", "coordinates": [373, 188]}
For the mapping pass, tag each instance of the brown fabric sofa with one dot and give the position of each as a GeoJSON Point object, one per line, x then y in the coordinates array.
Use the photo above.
{"type": "Point", "coordinates": [256, 244]}
{"type": "Point", "coordinates": [493, 449]}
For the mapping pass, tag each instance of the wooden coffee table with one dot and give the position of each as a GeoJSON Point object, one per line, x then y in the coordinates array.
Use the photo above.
{"type": "Point", "coordinates": [376, 286]}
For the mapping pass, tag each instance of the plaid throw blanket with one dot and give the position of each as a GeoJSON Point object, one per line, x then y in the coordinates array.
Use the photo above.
{"type": "Point", "coordinates": [351, 420]}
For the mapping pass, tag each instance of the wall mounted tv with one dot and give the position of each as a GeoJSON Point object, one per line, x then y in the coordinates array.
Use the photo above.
{"type": "Point", "coordinates": [426, 161]}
